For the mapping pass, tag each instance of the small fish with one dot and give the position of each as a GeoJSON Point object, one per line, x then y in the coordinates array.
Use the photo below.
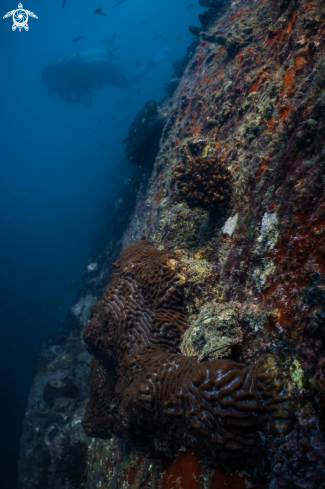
{"type": "Point", "coordinates": [190, 5]}
{"type": "Point", "coordinates": [137, 64]}
{"type": "Point", "coordinates": [138, 91]}
{"type": "Point", "coordinates": [119, 3]}
{"type": "Point", "coordinates": [111, 51]}
{"type": "Point", "coordinates": [179, 37]}
{"type": "Point", "coordinates": [80, 38]}
{"type": "Point", "coordinates": [99, 11]}
{"type": "Point", "coordinates": [63, 3]}
{"type": "Point", "coordinates": [157, 36]}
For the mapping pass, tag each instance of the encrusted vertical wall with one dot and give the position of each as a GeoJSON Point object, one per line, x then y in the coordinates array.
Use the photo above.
{"type": "Point", "coordinates": [237, 189]}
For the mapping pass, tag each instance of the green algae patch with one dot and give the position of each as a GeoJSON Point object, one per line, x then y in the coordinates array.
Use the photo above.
{"type": "Point", "coordinates": [297, 374]}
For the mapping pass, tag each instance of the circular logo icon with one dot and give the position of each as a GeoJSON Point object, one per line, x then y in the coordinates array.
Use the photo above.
{"type": "Point", "coordinates": [20, 18]}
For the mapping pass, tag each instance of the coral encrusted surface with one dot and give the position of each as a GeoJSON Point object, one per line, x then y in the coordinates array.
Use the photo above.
{"type": "Point", "coordinates": [248, 99]}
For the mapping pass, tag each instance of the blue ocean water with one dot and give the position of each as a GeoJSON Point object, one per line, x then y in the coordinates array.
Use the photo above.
{"type": "Point", "coordinates": [60, 162]}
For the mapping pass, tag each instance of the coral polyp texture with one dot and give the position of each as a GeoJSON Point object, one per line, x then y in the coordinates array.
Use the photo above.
{"type": "Point", "coordinates": [146, 392]}
{"type": "Point", "coordinates": [202, 180]}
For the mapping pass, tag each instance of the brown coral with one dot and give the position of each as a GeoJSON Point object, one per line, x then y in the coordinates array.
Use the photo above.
{"type": "Point", "coordinates": [203, 180]}
{"type": "Point", "coordinates": [149, 394]}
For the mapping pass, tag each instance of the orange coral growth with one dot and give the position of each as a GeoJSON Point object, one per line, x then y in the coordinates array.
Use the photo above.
{"type": "Point", "coordinates": [184, 472]}
{"type": "Point", "coordinates": [274, 35]}
{"type": "Point", "coordinates": [200, 58]}
{"type": "Point", "coordinates": [240, 55]}
{"type": "Point", "coordinates": [271, 125]}
{"type": "Point", "coordinates": [288, 85]}
{"type": "Point", "coordinates": [301, 58]}
{"type": "Point", "coordinates": [222, 480]}
{"type": "Point", "coordinates": [159, 195]}
{"type": "Point", "coordinates": [262, 166]}
{"type": "Point", "coordinates": [212, 78]}
{"type": "Point", "coordinates": [279, 34]}
{"type": "Point", "coordinates": [291, 22]}
{"type": "Point", "coordinates": [196, 129]}
{"type": "Point", "coordinates": [270, 122]}
{"type": "Point", "coordinates": [302, 245]}
{"type": "Point", "coordinates": [176, 143]}
{"type": "Point", "coordinates": [202, 82]}
{"type": "Point", "coordinates": [285, 292]}
{"type": "Point", "coordinates": [235, 15]}
{"type": "Point", "coordinates": [270, 37]}
{"type": "Point", "coordinates": [222, 51]}
{"type": "Point", "coordinates": [262, 77]}
{"type": "Point", "coordinates": [284, 111]}
{"type": "Point", "coordinates": [308, 6]}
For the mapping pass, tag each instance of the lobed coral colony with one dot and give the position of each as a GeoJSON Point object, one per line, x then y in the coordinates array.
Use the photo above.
{"type": "Point", "coordinates": [146, 392]}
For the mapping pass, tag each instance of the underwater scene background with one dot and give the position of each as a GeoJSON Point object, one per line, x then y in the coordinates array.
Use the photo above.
{"type": "Point", "coordinates": [62, 165]}
{"type": "Point", "coordinates": [163, 259]}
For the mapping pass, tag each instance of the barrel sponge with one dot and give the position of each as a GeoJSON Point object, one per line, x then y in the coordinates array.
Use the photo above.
{"type": "Point", "coordinates": [146, 392]}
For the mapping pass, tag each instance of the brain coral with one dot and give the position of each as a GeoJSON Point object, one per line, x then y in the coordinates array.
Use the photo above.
{"type": "Point", "coordinates": [146, 392]}
{"type": "Point", "coordinates": [203, 180]}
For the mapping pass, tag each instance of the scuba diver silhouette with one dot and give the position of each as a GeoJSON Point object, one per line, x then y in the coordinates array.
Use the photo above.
{"type": "Point", "coordinates": [77, 76]}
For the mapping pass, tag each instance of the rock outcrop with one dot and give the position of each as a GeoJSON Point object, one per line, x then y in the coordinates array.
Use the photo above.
{"type": "Point", "coordinates": [145, 131]}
